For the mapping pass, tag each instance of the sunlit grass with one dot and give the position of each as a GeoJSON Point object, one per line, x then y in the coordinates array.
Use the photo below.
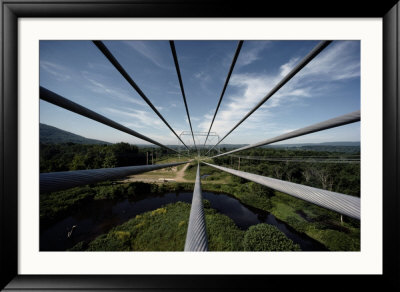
{"type": "Point", "coordinates": [165, 229]}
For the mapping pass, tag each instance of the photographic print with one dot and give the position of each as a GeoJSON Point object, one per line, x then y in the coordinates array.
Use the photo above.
{"type": "Point", "coordinates": [200, 145]}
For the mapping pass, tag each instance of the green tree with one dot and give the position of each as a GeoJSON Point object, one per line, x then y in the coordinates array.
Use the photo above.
{"type": "Point", "coordinates": [261, 191]}
{"type": "Point", "coordinates": [110, 160]}
{"type": "Point", "coordinates": [78, 162]}
{"type": "Point", "coordinates": [265, 237]}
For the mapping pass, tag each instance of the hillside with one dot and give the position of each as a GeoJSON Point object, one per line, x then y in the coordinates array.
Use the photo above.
{"type": "Point", "coordinates": [53, 135]}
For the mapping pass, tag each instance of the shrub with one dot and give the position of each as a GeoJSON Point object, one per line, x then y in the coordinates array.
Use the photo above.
{"type": "Point", "coordinates": [123, 236]}
{"type": "Point", "coordinates": [105, 192]}
{"type": "Point", "coordinates": [80, 246]}
{"type": "Point", "coordinates": [153, 189]}
{"type": "Point", "coordinates": [222, 233]}
{"type": "Point", "coordinates": [261, 191]}
{"type": "Point", "coordinates": [297, 224]}
{"type": "Point", "coordinates": [337, 241]}
{"type": "Point", "coordinates": [206, 204]}
{"type": "Point", "coordinates": [130, 191]}
{"type": "Point", "coordinates": [238, 179]}
{"type": "Point", "coordinates": [265, 237]}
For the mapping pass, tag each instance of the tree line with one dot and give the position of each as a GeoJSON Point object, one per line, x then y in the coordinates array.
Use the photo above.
{"type": "Point", "coordinates": [71, 156]}
{"type": "Point", "coordinates": [337, 177]}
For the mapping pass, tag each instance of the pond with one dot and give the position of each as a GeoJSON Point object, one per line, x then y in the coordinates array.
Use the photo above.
{"type": "Point", "coordinates": [100, 216]}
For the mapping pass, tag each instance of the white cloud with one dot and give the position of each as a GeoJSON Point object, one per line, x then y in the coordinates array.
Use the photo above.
{"type": "Point", "coordinates": [251, 89]}
{"type": "Point", "coordinates": [334, 64]}
{"type": "Point", "coordinates": [100, 66]}
{"type": "Point", "coordinates": [59, 72]}
{"type": "Point", "coordinates": [196, 119]}
{"type": "Point", "coordinates": [149, 52]}
{"type": "Point", "coordinates": [143, 119]}
{"type": "Point", "coordinates": [110, 91]}
{"type": "Point", "coordinates": [174, 92]}
{"type": "Point", "coordinates": [166, 108]}
{"type": "Point", "coordinates": [202, 76]}
{"type": "Point", "coordinates": [133, 126]}
{"type": "Point", "coordinates": [166, 140]}
{"type": "Point", "coordinates": [287, 67]}
{"type": "Point", "coordinates": [250, 52]}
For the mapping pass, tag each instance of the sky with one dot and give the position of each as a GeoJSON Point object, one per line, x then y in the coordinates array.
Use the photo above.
{"type": "Point", "coordinates": [329, 86]}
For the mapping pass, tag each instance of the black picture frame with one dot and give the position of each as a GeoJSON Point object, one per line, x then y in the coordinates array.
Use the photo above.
{"type": "Point", "coordinates": [12, 10]}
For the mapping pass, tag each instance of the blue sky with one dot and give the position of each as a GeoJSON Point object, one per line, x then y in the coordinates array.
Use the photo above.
{"type": "Point", "coordinates": [327, 87]}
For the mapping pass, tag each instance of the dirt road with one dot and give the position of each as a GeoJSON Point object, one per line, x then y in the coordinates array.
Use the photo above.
{"type": "Point", "coordinates": [171, 174]}
{"type": "Point", "coordinates": [179, 174]}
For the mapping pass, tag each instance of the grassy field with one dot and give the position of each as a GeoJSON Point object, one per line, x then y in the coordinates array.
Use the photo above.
{"type": "Point", "coordinates": [172, 173]}
{"type": "Point", "coordinates": [215, 176]}
{"type": "Point", "coordinates": [170, 159]}
{"type": "Point", "coordinates": [165, 228]}
{"type": "Point", "coordinates": [169, 172]}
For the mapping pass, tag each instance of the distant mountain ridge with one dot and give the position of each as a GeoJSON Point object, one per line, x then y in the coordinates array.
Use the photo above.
{"type": "Point", "coordinates": [53, 135]}
{"type": "Point", "coordinates": [343, 146]}
{"type": "Point", "coordinates": [342, 143]}
{"type": "Point", "coordinates": [346, 147]}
